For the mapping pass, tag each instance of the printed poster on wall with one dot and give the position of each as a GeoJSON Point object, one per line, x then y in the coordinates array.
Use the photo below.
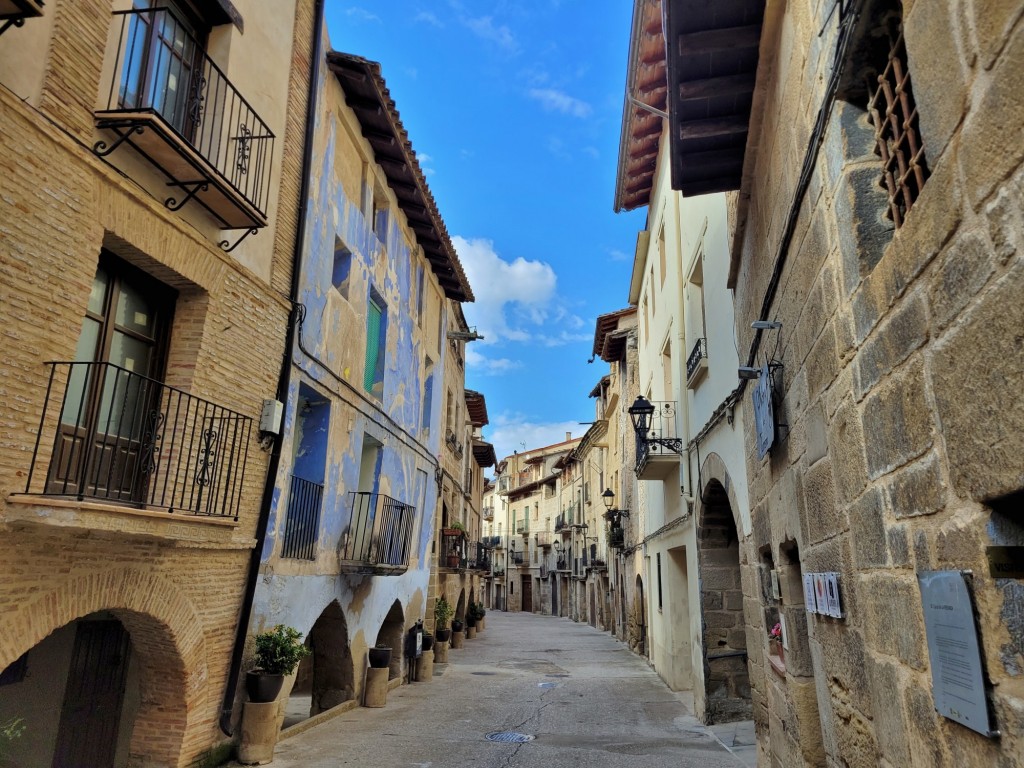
{"type": "Point", "coordinates": [820, 601]}
{"type": "Point", "coordinates": [835, 610]}
{"type": "Point", "coordinates": [810, 604]}
{"type": "Point", "coordinates": [958, 684]}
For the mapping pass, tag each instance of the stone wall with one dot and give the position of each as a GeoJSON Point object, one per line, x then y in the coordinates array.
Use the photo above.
{"type": "Point", "coordinates": [902, 355]}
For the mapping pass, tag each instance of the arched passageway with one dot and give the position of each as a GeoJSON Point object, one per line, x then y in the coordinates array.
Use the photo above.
{"type": "Point", "coordinates": [392, 633]}
{"type": "Point", "coordinates": [726, 677]}
{"type": "Point", "coordinates": [326, 677]}
{"type": "Point", "coordinates": [638, 630]}
{"type": "Point", "coordinates": [89, 694]}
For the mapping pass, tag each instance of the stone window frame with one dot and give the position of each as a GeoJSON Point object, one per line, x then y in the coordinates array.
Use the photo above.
{"type": "Point", "coordinates": [893, 113]}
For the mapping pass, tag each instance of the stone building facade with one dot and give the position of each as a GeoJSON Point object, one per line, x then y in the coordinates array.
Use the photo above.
{"type": "Point", "coordinates": [878, 219]}
{"type": "Point", "coordinates": [137, 353]}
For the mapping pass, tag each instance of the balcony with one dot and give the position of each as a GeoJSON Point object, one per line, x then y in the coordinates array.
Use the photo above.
{"type": "Point", "coordinates": [488, 514]}
{"type": "Point", "coordinates": [561, 564]}
{"type": "Point", "coordinates": [697, 363]}
{"type": "Point", "coordinates": [559, 523]}
{"type": "Point", "coordinates": [616, 537]}
{"type": "Point", "coordinates": [122, 438]}
{"type": "Point", "coordinates": [655, 458]}
{"type": "Point", "coordinates": [544, 538]}
{"type": "Point", "coordinates": [302, 525]}
{"type": "Point", "coordinates": [453, 549]}
{"type": "Point", "coordinates": [379, 535]}
{"type": "Point", "coordinates": [14, 12]}
{"type": "Point", "coordinates": [497, 542]}
{"type": "Point", "coordinates": [479, 556]}
{"type": "Point", "coordinates": [523, 528]}
{"type": "Point", "coordinates": [178, 110]}
{"type": "Point", "coordinates": [517, 558]}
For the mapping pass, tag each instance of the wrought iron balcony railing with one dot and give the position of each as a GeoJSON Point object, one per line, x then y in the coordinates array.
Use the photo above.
{"type": "Point", "coordinates": [177, 108]}
{"type": "Point", "coordinates": [544, 538]}
{"type": "Point", "coordinates": [697, 361]}
{"type": "Point", "coordinates": [479, 556]}
{"type": "Point", "coordinates": [302, 526]}
{"type": "Point", "coordinates": [517, 558]}
{"type": "Point", "coordinates": [379, 535]}
{"type": "Point", "coordinates": [129, 439]}
{"type": "Point", "coordinates": [523, 527]}
{"type": "Point", "coordinates": [559, 522]}
{"type": "Point", "coordinates": [561, 564]}
{"type": "Point", "coordinates": [660, 440]}
{"type": "Point", "coordinates": [616, 537]}
{"type": "Point", "coordinates": [453, 549]}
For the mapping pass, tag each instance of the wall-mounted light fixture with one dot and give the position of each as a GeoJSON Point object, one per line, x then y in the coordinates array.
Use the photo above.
{"type": "Point", "coordinates": [608, 498]}
{"type": "Point", "coordinates": [641, 413]}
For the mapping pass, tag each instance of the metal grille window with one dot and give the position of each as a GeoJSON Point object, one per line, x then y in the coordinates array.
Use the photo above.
{"type": "Point", "coordinates": [893, 114]}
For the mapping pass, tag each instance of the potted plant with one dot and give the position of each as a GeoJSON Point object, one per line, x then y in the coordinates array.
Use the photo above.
{"type": "Point", "coordinates": [428, 641]}
{"type": "Point", "coordinates": [278, 652]}
{"type": "Point", "coordinates": [480, 613]}
{"type": "Point", "coordinates": [442, 615]}
{"type": "Point", "coordinates": [775, 642]}
{"type": "Point", "coordinates": [380, 656]}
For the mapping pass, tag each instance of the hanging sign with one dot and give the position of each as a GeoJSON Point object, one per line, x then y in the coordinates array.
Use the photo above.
{"type": "Point", "coordinates": [764, 416]}
{"type": "Point", "coordinates": [958, 685]}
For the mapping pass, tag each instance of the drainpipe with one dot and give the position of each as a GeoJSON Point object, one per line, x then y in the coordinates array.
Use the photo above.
{"type": "Point", "coordinates": [283, 379]}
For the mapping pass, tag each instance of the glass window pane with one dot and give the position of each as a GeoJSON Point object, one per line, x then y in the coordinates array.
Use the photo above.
{"type": "Point", "coordinates": [131, 353]}
{"type": "Point", "coordinates": [98, 294]}
{"type": "Point", "coordinates": [134, 312]}
{"type": "Point", "coordinates": [76, 401]}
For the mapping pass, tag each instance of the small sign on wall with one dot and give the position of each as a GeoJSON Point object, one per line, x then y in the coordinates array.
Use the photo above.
{"type": "Point", "coordinates": [958, 684]}
{"type": "Point", "coordinates": [822, 594]}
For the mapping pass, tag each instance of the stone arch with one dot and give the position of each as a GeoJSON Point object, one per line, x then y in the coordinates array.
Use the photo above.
{"type": "Point", "coordinates": [638, 637]}
{"type": "Point", "coordinates": [392, 633]}
{"type": "Point", "coordinates": [460, 607]}
{"type": "Point", "coordinates": [166, 637]}
{"type": "Point", "coordinates": [719, 557]}
{"type": "Point", "coordinates": [327, 675]}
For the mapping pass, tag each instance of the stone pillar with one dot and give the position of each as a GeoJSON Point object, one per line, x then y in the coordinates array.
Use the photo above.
{"type": "Point", "coordinates": [259, 733]}
{"type": "Point", "coordinates": [470, 632]}
{"type": "Point", "coordinates": [457, 638]}
{"type": "Point", "coordinates": [441, 652]}
{"type": "Point", "coordinates": [425, 667]}
{"type": "Point", "coordinates": [375, 693]}
{"type": "Point", "coordinates": [480, 627]}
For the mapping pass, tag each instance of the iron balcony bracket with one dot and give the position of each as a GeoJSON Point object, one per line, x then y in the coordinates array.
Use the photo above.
{"type": "Point", "coordinates": [17, 22]}
{"type": "Point", "coordinates": [228, 248]}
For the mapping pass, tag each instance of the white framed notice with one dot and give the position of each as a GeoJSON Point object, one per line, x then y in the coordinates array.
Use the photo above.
{"type": "Point", "coordinates": [810, 605]}
{"type": "Point", "coordinates": [832, 595]}
{"type": "Point", "coordinates": [785, 634]}
{"type": "Point", "coordinates": [820, 601]}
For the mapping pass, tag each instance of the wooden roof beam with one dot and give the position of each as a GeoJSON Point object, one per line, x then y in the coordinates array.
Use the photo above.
{"type": "Point", "coordinates": [730, 85]}
{"type": "Point", "coordinates": [714, 126]}
{"type": "Point", "coordinates": [718, 40]}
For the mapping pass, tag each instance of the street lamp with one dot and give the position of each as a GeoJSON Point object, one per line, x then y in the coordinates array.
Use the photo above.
{"type": "Point", "coordinates": [608, 497]}
{"type": "Point", "coordinates": [641, 412]}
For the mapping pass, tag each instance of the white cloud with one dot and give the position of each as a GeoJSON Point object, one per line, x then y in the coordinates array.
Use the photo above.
{"type": "Point", "coordinates": [554, 100]}
{"type": "Point", "coordinates": [490, 366]}
{"type": "Point", "coordinates": [510, 295]}
{"type": "Point", "coordinates": [428, 18]}
{"type": "Point", "coordinates": [514, 432]}
{"type": "Point", "coordinates": [425, 161]}
{"type": "Point", "coordinates": [485, 28]}
{"type": "Point", "coordinates": [617, 255]}
{"type": "Point", "coordinates": [361, 14]}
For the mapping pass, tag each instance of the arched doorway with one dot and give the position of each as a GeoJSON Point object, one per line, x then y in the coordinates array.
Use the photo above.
{"type": "Point", "coordinates": [460, 607]}
{"type": "Point", "coordinates": [326, 677]}
{"type": "Point", "coordinates": [392, 632]}
{"type": "Point", "coordinates": [638, 633]}
{"type": "Point", "coordinates": [726, 678]}
{"type": "Point", "coordinates": [85, 694]}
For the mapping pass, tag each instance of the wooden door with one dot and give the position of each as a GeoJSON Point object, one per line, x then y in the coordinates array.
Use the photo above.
{"type": "Point", "coordinates": [527, 596]}
{"type": "Point", "coordinates": [91, 714]}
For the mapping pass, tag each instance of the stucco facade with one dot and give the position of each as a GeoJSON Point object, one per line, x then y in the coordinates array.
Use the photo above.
{"type": "Point", "coordinates": [350, 544]}
{"type": "Point", "coordinates": [114, 533]}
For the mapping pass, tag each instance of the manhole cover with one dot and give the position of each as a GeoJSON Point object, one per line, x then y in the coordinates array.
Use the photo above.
{"type": "Point", "coordinates": [511, 737]}
{"type": "Point", "coordinates": [547, 685]}
{"type": "Point", "coordinates": [483, 673]}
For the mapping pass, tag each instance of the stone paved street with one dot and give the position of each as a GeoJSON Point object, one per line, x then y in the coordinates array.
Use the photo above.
{"type": "Point", "coordinates": [586, 699]}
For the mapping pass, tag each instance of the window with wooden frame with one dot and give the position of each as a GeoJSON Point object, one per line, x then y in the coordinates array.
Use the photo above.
{"type": "Point", "coordinates": [893, 114]}
{"type": "Point", "coordinates": [376, 340]}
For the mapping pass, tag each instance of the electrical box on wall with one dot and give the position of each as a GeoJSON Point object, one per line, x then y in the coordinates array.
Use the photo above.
{"type": "Point", "coordinates": [270, 417]}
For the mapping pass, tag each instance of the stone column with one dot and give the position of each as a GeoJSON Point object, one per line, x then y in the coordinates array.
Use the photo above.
{"type": "Point", "coordinates": [259, 733]}
{"type": "Point", "coordinates": [457, 638]}
{"type": "Point", "coordinates": [441, 652]}
{"type": "Point", "coordinates": [470, 632]}
{"type": "Point", "coordinates": [375, 693]}
{"type": "Point", "coordinates": [425, 667]}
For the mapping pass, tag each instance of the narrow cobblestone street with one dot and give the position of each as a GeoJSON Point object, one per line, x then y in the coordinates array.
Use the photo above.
{"type": "Point", "coordinates": [584, 697]}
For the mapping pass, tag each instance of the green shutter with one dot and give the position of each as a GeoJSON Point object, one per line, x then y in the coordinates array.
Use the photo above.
{"type": "Point", "coordinates": [373, 316]}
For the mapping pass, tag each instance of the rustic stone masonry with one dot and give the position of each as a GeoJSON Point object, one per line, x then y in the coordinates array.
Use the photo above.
{"type": "Point", "coordinates": [903, 357]}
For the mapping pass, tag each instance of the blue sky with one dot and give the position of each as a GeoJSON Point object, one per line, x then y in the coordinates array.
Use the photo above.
{"type": "Point", "coordinates": [514, 110]}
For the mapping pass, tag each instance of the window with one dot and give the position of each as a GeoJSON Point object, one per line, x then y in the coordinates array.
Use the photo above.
{"type": "Point", "coordinates": [342, 267]}
{"type": "Point", "coordinates": [113, 386]}
{"type": "Point", "coordinates": [419, 294]}
{"type": "Point", "coordinates": [661, 254]}
{"type": "Point", "coordinates": [659, 580]}
{"type": "Point", "coordinates": [163, 64]}
{"type": "Point", "coordinates": [449, 413]}
{"type": "Point", "coordinates": [428, 394]}
{"type": "Point", "coordinates": [376, 336]}
{"type": "Point", "coordinates": [893, 114]}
